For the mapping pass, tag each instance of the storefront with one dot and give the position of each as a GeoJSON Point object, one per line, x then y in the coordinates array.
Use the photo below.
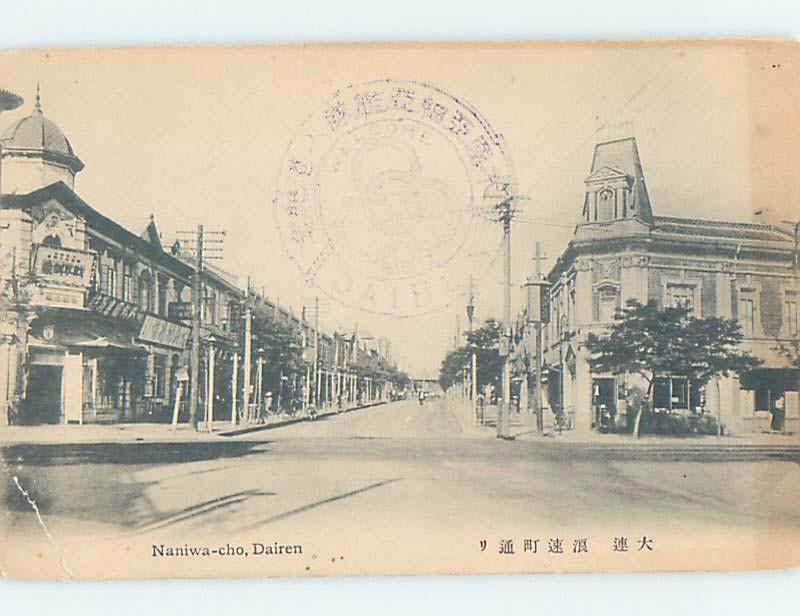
{"type": "Point", "coordinates": [81, 370]}
{"type": "Point", "coordinates": [769, 400]}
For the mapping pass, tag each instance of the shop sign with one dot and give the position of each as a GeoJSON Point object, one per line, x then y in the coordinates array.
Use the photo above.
{"type": "Point", "coordinates": [159, 331]}
{"type": "Point", "coordinates": [181, 311]}
{"type": "Point", "coordinates": [63, 265]}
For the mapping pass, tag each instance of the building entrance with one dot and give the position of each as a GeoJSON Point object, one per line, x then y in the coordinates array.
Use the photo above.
{"type": "Point", "coordinates": [604, 402]}
{"type": "Point", "coordinates": [44, 395]}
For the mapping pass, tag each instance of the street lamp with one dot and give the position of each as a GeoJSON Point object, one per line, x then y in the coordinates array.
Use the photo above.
{"type": "Point", "coordinates": [538, 294]}
{"type": "Point", "coordinates": [259, 397]}
{"type": "Point", "coordinates": [211, 340]}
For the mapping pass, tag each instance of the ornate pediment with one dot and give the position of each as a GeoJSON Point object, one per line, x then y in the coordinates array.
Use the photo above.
{"type": "Point", "coordinates": [52, 220]}
{"type": "Point", "coordinates": [606, 173]}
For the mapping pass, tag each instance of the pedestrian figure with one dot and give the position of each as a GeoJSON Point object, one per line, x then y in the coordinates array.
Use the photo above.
{"type": "Point", "coordinates": [267, 407]}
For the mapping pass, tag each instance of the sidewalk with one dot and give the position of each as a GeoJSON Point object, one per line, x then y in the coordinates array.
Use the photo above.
{"type": "Point", "coordinates": [523, 428]}
{"type": "Point", "coordinates": [147, 432]}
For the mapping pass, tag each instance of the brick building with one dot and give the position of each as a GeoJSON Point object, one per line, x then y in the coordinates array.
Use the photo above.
{"type": "Point", "coordinates": [622, 250]}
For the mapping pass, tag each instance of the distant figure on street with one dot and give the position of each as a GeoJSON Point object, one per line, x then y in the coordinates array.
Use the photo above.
{"type": "Point", "coordinates": [421, 397]}
{"type": "Point", "coordinates": [480, 403]}
{"type": "Point", "coordinates": [267, 407]}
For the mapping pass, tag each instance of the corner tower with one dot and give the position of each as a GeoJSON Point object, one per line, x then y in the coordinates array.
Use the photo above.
{"type": "Point", "coordinates": [35, 153]}
{"type": "Point", "coordinates": [616, 189]}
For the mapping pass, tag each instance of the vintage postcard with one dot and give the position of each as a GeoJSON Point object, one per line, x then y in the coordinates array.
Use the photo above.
{"type": "Point", "coordinates": [421, 308]}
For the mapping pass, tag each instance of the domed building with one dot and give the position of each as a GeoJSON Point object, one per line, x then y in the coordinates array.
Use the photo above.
{"type": "Point", "coordinates": [35, 153]}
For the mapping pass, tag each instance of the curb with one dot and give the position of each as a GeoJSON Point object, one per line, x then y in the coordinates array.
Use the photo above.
{"type": "Point", "coordinates": [295, 420]}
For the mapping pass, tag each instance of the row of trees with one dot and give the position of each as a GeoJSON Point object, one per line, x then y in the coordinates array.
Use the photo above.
{"type": "Point", "coordinates": [282, 346]}
{"type": "Point", "coordinates": [644, 339]}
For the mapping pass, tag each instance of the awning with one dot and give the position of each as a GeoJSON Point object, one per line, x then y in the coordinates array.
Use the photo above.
{"type": "Point", "coordinates": [39, 343]}
{"type": "Point", "coordinates": [102, 342]}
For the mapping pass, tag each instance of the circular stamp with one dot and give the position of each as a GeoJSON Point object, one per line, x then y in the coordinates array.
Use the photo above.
{"type": "Point", "coordinates": [386, 198]}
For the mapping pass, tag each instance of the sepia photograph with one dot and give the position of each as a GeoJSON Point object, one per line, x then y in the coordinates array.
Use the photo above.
{"type": "Point", "coordinates": [399, 309]}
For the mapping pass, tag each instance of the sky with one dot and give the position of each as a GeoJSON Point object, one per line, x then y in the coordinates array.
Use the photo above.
{"type": "Point", "coordinates": [198, 135]}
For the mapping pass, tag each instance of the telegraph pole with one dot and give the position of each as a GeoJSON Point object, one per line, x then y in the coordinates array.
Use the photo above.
{"type": "Point", "coordinates": [505, 211]}
{"type": "Point", "coordinates": [200, 249]}
{"type": "Point", "coordinates": [538, 314]}
{"type": "Point", "coordinates": [537, 384]}
{"type": "Point", "coordinates": [248, 352]}
{"type": "Point", "coordinates": [474, 360]}
{"type": "Point", "coordinates": [317, 379]}
{"type": "Point", "coordinates": [197, 312]}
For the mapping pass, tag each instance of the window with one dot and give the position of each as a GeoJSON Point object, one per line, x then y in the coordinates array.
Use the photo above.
{"type": "Point", "coordinates": [681, 296]}
{"type": "Point", "coordinates": [210, 307]}
{"type": "Point", "coordinates": [790, 312]}
{"type": "Point", "coordinates": [607, 304]}
{"type": "Point", "coordinates": [606, 205]}
{"type": "Point", "coordinates": [162, 296]}
{"type": "Point", "coordinates": [146, 292]}
{"type": "Point", "coordinates": [747, 312]}
{"type": "Point", "coordinates": [571, 306]}
{"type": "Point", "coordinates": [127, 284]}
{"type": "Point", "coordinates": [674, 393]}
{"type": "Point", "coordinates": [52, 240]}
{"type": "Point", "coordinates": [159, 376]}
{"type": "Point", "coordinates": [109, 279]}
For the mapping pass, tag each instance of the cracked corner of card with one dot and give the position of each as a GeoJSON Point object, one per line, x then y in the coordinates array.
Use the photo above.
{"type": "Point", "coordinates": [35, 508]}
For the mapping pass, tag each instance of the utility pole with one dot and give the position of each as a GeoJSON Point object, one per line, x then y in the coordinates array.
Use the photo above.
{"type": "Point", "coordinates": [537, 384]}
{"type": "Point", "coordinates": [474, 359]}
{"type": "Point", "coordinates": [505, 211]}
{"type": "Point", "coordinates": [248, 352]}
{"type": "Point", "coordinates": [200, 250]}
{"type": "Point", "coordinates": [538, 314]}
{"type": "Point", "coordinates": [197, 315]}
{"type": "Point", "coordinates": [317, 379]}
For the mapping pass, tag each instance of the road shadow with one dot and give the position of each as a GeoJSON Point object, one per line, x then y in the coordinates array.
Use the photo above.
{"type": "Point", "coordinates": [65, 454]}
{"type": "Point", "coordinates": [99, 481]}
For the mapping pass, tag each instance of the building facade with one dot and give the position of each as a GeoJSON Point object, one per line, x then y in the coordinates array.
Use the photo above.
{"type": "Point", "coordinates": [621, 250]}
{"type": "Point", "coordinates": [91, 330]}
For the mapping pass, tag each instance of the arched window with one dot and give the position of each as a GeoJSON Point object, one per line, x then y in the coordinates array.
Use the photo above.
{"type": "Point", "coordinates": [52, 240]}
{"type": "Point", "coordinates": [605, 208]}
{"type": "Point", "coordinates": [607, 302]}
{"type": "Point", "coordinates": [146, 291]}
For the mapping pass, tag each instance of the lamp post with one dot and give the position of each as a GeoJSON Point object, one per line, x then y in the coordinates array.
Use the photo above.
{"type": "Point", "coordinates": [473, 381]}
{"type": "Point", "coordinates": [538, 312]}
{"type": "Point", "coordinates": [246, 359]}
{"type": "Point", "coordinates": [259, 396]}
{"type": "Point", "coordinates": [211, 340]}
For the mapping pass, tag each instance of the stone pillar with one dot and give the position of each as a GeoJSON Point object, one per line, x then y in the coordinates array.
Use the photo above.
{"type": "Point", "coordinates": [583, 392]}
{"type": "Point", "coordinates": [731, 406]}
{"type": "Point", "coordinates": [583, 292]}
{"type": "Point", "coordinates": [724, 302]}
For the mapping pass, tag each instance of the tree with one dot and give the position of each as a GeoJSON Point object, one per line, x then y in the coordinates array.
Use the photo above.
{"type": "Point", "coordinates": [653, 341]}
{"type": "Point", "coordinates": [485, 341]}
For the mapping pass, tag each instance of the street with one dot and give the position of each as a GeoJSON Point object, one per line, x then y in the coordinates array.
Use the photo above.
{"type": "Point", "coordinates": [386, 476]}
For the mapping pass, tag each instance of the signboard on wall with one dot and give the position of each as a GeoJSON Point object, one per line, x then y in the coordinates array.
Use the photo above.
{"type": "Point", "coordinates": [159, 331]}
{"type": "Point", "coordinates": [63, 265]}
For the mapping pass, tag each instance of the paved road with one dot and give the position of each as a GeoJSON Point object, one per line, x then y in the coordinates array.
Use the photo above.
{"type": "Point", "coordinates": [393, 474]}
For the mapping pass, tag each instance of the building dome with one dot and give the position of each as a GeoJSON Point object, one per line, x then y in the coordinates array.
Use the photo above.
{"type": "Point", "coordinates": [36, 132]}
{"type": "Point", "coordinates": [36, 153]}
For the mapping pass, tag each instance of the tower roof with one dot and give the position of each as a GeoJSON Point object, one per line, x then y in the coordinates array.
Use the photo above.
{"type": "Point", "coordinates": [35, 133]}
{"type": "Point", "coordinates": [622, 156]}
